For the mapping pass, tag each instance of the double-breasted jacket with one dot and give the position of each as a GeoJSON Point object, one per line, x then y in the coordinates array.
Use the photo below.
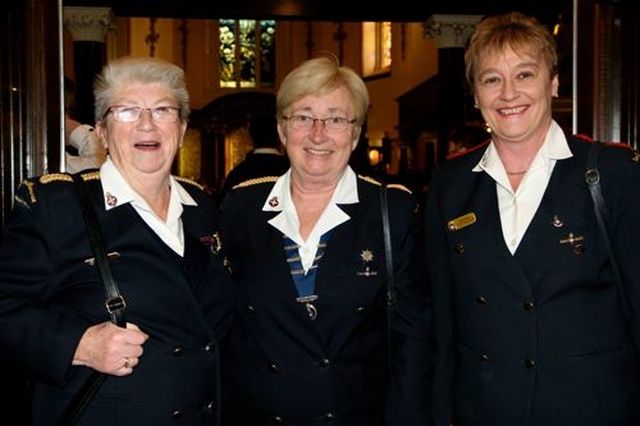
{"type": "Point", "coordinates": [51, 292]}
{"type": "Point", "coordinates": [286, 368]}
{"type": "Point", "coordinates": [538, 337]}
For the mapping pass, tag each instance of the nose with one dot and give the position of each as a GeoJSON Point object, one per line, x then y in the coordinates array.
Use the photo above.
{"type": "Point", "coordinates": [318, 129]}
{"type": "Point", "coordinates": [146, 120]}
{"type": "Point", "coordinates": [509, 89]}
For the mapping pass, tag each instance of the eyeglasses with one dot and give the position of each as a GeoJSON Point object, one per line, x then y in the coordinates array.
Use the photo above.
{"type": "Point", "coordinates": [331, 124]}
{"type": "Point", "coordinates": [131, 114]}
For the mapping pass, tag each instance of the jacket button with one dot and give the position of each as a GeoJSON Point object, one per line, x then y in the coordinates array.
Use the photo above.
{"type": "Point", "coordinates": [210, 347]}
{"type": "Point", "coordinates": [329, 417]}
{"type": "Point", "coordinates": [273, 367]}
{"type": "Point", "coordinates": [210, 406]}
{"type": "Point", "coordinates": [528, 305]}
{"type": "Point", "coordinates": [485, 357]}
{"type": "Point", "coordinates": [359, 309]}
{"type": "Point", "coordinates": [277, 419]}
{"type": "Point", "coordinates": [177, 414]}
{"type": "Point", "coordinates": [480, 300]}
{"type": "Point", "coordinates": [178, 352]}
{"type": "Point", "coordinates": [250, 309]}
{"type": "Point", "coordinates": [529, 363]}
{"type": "Point", "coordinates": [458, 248]}
{"type": "Point", "coordinates": [324, 363]}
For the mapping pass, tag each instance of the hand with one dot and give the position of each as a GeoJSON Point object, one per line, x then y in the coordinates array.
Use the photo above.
{"type": "Point", "coordinates": [69, 126]}
{"type": "Point", "coordinates": [111, 349]}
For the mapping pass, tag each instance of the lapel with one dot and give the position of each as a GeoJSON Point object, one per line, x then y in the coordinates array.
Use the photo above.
{"type": "Point", "coordinates": [546, 245]}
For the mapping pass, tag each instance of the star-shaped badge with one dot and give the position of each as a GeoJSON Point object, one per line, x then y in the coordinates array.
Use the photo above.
{"type": "Point", "coordinates": [366, 255]}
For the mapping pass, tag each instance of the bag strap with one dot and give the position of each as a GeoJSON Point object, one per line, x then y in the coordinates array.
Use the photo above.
{"type": "Point", "coordinates": [592, 176]}
{"type": "Point", "coordinates": [114, 303]}
{"type": "Point", "coordinates": [391, 290]}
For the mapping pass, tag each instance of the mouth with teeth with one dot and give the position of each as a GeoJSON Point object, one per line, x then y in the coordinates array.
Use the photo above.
{"type": "Point", "coordinates": [318, 151]}
{"type": "Point", "coordinates": [512, 111]}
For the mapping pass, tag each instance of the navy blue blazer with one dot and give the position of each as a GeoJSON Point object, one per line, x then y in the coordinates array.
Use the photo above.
{"type": "Point", "coordinates": [49, 295]}
{"type": "Point", "coordinates": [283, 367]}
{"type": "Point", "coordinates": [537, 338]}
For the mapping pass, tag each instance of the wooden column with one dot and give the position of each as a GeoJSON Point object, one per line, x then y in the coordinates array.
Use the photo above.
{"type": "Point", "coordinates": [451, 33]}
{"type": "Point", "coordinates": [88, 26]}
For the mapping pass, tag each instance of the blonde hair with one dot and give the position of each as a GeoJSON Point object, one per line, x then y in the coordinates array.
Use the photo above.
{"type": "Point", "coordinates": [320, 76]}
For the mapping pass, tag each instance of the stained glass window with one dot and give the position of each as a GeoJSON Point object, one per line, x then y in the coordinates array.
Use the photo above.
{"type": "Point", "coordinates": [247, 53]}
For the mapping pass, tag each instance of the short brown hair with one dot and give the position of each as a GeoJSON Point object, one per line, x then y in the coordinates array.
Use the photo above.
{"type": "Point", "coordinates": [515, 30]}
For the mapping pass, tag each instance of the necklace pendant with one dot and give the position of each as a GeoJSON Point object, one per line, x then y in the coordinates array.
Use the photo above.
{"type": "Point", "coordinates": [311, 309]}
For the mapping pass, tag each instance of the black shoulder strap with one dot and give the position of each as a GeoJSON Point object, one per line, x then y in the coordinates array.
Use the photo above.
{"type": "Point", "coordinates": [592, 176]}
{"type": "Point", "coordinates": [386, 228]}
{"type": "Point", "coordinates": [391, 290]}
{"type": "Point", "coordinates": [114, 302]}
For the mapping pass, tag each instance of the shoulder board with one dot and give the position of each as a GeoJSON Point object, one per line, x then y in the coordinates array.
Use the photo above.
{"type": "Point", "coordinates": [400, 187]}
{"type": "Point", "coordinates": [583, 137]}
{"type": "Point", "coordinates": [66, 177]}
{"type": "Point", "coordinates": [91, 175]}
{"type": "Point", "coordinates": [189, 181]}
{"type": "Point", "coordinates": [256, 181]}
{"type": "Point", "coordinates": [469, 150]}
{"type": "Point", "coordinates": [635, 155]}
{"type": "Point", "coordinates": [370, 180]}
{"type": "Point", "coordinates": [390, 186]}
{"type": "Point", "coordinates": [55, 177]}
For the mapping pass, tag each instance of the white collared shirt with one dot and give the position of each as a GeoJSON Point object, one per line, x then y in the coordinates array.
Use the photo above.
{"type": "Point", "coordinates": [518, 208]}
{"type": "Point", "coordinates": [279, 200]}
{"type": "Point", "coordinates": [118, 192]}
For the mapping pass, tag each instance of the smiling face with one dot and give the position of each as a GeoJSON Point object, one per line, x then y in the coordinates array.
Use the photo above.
{"type": "Point", "coordinates": [318, 155]}
{"type": "Point", "coordinates": [514, 93]}
{"type": "Point", "coordinates": [145, 147]}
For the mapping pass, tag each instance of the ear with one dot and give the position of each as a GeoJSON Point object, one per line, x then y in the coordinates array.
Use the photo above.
{"type": "Point", "coordinates": [184, 132]}
{"type": "Point", "coordinates": [101, 130]}
{"type": "Point", "coordinates": [281, 134]}
{"type": "Point", "coordinates": [356, 137]}
{"type": "Point", "coordinates": [555, 84]}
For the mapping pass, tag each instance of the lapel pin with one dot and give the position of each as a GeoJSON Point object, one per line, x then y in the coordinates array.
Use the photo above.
{"type": "Point", "coordinates": [367, 256]}
{"type": "Point", "coordinates": [557, 222]}
{"type": "Point", "coordinates": [111, 199]}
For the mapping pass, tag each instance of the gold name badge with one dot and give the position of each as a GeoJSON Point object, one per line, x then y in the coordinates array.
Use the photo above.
{"type": "Point", "coordinates": [461, 222]}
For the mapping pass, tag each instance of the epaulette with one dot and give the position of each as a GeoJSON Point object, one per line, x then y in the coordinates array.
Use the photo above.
{"type": "Point", "coordinates": [29, 184]}
{"type": "Point", "coordinates": [391, 185]}
{"type": "Point", "coordinates": [469, 150]}
{"type": "Point", "coordinates": [256, 181]}
{"type": "Point", "coordinates": [370, 180]}
{"type": "Point", "coordinates": [400, 187]}
{"type": "Point", "coordinates": [635, 156]}
{"type": "Point", "coordinates": [55, 177]}
{"type": "Point", "coordinates": [91, 175]}
{"type": "Point", "coordinates": [189, 181]}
